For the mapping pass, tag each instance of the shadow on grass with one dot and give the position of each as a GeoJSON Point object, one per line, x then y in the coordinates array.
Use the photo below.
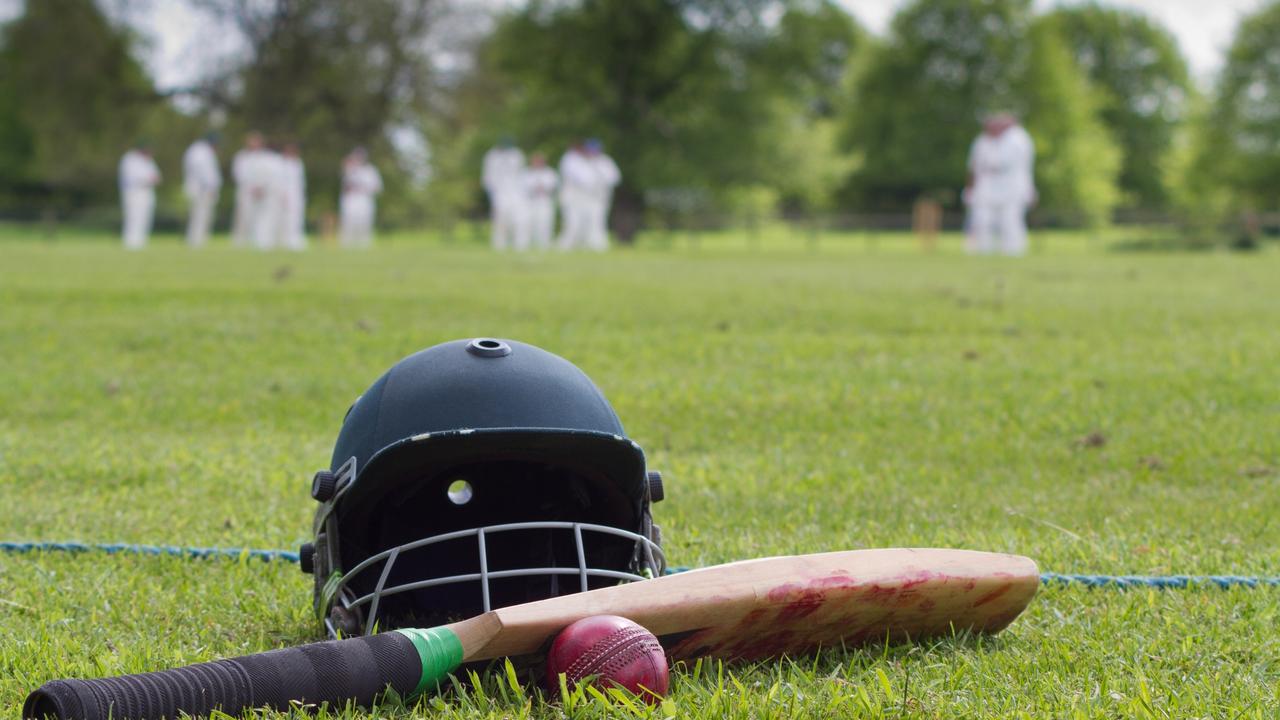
{"type": "Point", "coordinates": [1186, 244]}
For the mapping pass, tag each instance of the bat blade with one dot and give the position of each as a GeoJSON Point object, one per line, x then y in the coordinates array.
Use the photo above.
{"type": "Point", "coordinates": [784, 605]}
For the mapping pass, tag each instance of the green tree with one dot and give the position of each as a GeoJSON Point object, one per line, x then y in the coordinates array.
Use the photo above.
{"type": "Point", "coordinates": [1238, 146]}
{"type": "Point", "coordinates": [672, 100]}
{"type": "Point", "coordinates": [691, 97]}
{"type": "Point", "coordinates": [73, 99]}
{"type": "Point", "coordinates": [1077, 161]}
{"type": "Point", "coordinates": [1143, 89]}
{"type": "Point", "coordinates": [1190, 174]}
{"type": "Point", "coordinates": [17, 146]}
{"type": "Point", "coordinates": [331, 75]}
{"type": "Point", "coordinates": [811, 56]}
{"type": "Point", "coordinates": [810, 53]}
{"type": "Point", "coordinates": [946, 64]}
{"type": "Point", "coordinates": [918, 102]}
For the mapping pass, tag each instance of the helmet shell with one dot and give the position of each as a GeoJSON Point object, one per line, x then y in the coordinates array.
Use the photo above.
{"type": "Point", "coordinates": [490, 397]}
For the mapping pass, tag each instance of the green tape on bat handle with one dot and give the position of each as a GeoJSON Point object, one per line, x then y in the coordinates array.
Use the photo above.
{"type": "Point", "coordinates": [441, 653]}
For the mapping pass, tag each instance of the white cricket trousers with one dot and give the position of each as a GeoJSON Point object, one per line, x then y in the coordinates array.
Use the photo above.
{"type": "Point", "coordinates": [999, 228]}
{"type": "Point", "coordinates": [541, 223]}
{"type": "Point", "coordinates": [262, 221]}
{"type": "Point", "coordinates": [240, 219]}
{"type": "Point", "coordinates": [139, 208]}
{"type": "Point", "coordinates": [293, 230]}
{"type": "Point", "coordinates": [355, 227]}
{"type": "Point", "coordinates": [507, 224]}
{"type": "Point", "coordinates": [200, 216]}
{"type": "Point", "coordinates": [597, 225]}
{"type": "Point", "coordinates": [584, 225]}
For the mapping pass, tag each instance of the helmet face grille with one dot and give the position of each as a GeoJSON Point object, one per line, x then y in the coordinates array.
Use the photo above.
{"type": "Point", "coordinates": [436, 600]}
{"type": "Point", "coordinates": [505, 532]}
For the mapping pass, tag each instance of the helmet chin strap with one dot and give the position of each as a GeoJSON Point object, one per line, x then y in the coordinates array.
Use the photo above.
{"type": "Point", "coordinates": [643, 560]}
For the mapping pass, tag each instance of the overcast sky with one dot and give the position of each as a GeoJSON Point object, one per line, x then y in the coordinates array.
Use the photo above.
{"type": "Point", "coordinates": [182, 39]}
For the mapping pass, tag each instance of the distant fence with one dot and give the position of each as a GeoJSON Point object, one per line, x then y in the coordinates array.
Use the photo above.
{"type": "Point", "coordinates": [800, 230]}
{"type": "Point", "coordinates": [954, 220]}
{"type": "Point", "coordinates": [1129, 229]}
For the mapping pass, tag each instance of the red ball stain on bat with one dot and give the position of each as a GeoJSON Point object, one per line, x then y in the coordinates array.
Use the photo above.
{"type": "Point", "coordinates": [993, 594]}
{"type": "Point", "coordinates": [881, 595]}
{"type": "Point", "coordinates": [802, 600]}
{"type": "Point", "coordinates": [753, 618]}
{"type": "Point", "coordinates": [794, 624]}
{"type": "Point", "coordinates": [922, 577]}
{"type": "Point", "coordinates": [802, 604]}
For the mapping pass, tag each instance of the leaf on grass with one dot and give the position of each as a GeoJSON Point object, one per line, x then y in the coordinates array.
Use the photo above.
{"type": "Point", "coordinates": [885, 684]}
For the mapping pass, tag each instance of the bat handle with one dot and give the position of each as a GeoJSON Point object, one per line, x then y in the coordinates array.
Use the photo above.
{"type": "Point", "coordinates": [337, 672]}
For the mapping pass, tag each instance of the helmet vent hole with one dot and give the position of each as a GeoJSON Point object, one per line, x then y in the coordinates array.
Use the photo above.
{"type": "Point", "coordinates": [488, 348]}
{"type": "Point", "coordinates": [460, 492]}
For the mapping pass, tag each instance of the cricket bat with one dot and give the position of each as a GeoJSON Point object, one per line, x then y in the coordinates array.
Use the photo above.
{"type": "Point", "coordinates": [744, 610]}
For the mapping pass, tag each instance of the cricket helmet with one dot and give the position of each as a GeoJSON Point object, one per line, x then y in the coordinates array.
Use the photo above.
{"type": "Point", "coordinates": [473, 475]}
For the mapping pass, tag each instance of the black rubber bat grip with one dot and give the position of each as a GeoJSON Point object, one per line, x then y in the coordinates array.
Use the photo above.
{"type": "Point", "coordinates": [337, 671]}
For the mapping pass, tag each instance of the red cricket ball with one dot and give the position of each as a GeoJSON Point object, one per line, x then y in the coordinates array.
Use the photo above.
{"type": "Point", "coordinates": [615, 650]}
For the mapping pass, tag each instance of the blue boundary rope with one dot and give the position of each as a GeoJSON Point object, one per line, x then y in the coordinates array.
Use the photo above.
{"type": "Point", "coordinates": [1159, 582]}
{"type": "Point", "coordinates": [166, 550]}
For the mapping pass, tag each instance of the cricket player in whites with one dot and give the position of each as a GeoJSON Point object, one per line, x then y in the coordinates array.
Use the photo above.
{"type": "Point", "coordinates": [253, 142]}
{"type": "Point", "coordinates": [254, 169]}
{"type": "Point", "coordinates": [501, 176]}
{"type": "Point", "coordinates": [138, 179]}
{"type": "Point", "coordinates": [540, 184]}
{"type": "Point", "coordinates": [1000, 186]}
{"type": "Point", "coordinates": [360, 183]}
{"type": "Point", "coordinates": [587, 177]}
{"type": "Point", "coordinates": [201, 181]}
{"type": "Point", "coordinates": [293, 198]}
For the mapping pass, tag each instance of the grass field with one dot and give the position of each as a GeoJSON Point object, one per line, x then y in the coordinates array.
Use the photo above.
{"type": "Point", "coordinates": [1099, 412]}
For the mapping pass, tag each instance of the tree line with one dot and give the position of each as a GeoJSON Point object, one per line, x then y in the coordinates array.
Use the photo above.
{"type": "Point", "coordinates": [710, 107]}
